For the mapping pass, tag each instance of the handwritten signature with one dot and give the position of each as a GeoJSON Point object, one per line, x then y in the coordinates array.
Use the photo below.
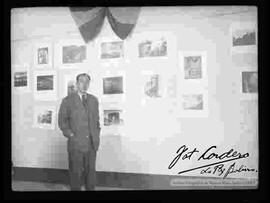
{"type": "Point", "coordinates": [214, 168]}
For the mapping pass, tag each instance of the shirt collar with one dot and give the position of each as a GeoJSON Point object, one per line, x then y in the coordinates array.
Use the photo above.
{"type": "Point", "coordinates": [80, 94]}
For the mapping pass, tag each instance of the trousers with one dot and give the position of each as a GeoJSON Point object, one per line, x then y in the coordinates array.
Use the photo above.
{"type": "Point", "coordinates": [82, 169]}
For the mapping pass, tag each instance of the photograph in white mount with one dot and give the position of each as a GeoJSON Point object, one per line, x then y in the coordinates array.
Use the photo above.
{"type": "Point", "coordinates": [249, 82]}
{"type": "Point", "coordinates": [248, 85]}
{"type": "Point", "coordinates": [20, 78]}
{"type": "Point", "coordinates": [113, 117]}
{"type": "Point", "coordinates": [43, 55]}
{"type": "Point", "coordinates": [45, 85]}
{"type": "Point", "coordinates": [113, 86]}
{"type": "Point", "coordinates": [73, 54]}
{"type": "Point", "coordinates": [244, 37]}
{"type": "Point", "coordinates": [153, 47]}
{"type": "Point", "coordinates": [193, 66]}
{"type": "Point", "coordinates": [194, 104]}
{"type": "Point", "coordinates": [112, 50]}
{"type": "Point", "coordinates": [44, 117]}
{"type": "Point", "coordinates": [192, 101]}
{"type": "Point", "coordinates": [70, 53]}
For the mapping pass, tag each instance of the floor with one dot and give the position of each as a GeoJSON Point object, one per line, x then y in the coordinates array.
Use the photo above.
{"type": "Point", "coordinates": [41, 186]}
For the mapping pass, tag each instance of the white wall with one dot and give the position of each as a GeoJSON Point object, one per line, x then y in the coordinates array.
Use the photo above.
{"type": "Point", "coordinates": [153, 133]}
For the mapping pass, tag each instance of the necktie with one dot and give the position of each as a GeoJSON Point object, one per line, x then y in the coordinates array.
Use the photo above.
{"type": "Point", "coordinates": [84, 101]}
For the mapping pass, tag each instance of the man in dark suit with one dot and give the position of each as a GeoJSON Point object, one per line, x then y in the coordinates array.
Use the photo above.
{"type": "Point", "coordinates": [78, 119]}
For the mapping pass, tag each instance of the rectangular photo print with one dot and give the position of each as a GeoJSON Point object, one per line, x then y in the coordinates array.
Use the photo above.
{"type": "Point", "coordinates": [43, 55]}
{"type": "Point", "coordinates": [248, 84]}
{"type": "Point", "coordinates": [113, 85]}
{"type": "Point", "coordinates": [44, 117]}
{"type": "Point", "coordinates": [70, 54]}
{"type": "Point", "coordinates": [194, 104]}
{"type": "Point", "coordinates": [112, 50]}
{"type": "Point", "coordinates": [113, 117]}
{"type": "Point", "coordinates": [153, 47]}
{"type": "Point", "coordinates": [193, 66]}
{"type": "Point", "coordinates": [20, 79]}
{"type": "Point", "coordinates": [45, 85]}
{"type": "Point", "coordinates": [243, 37]}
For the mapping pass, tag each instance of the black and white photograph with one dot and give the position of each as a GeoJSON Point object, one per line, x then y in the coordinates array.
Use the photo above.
{"type": "Point", "coordinates": [244, 37]}
{"type": "Point", "coordinates": [152, 86]}
{"type": "Point", "coordinates": [134, 98]}
{"type": "Point", "coordinates": [112, 50]}
{"type": "Point", "coordinates": [20, 79]}
{"type": "Point", "coordinates": [153, 48]}
{"type": "Point", "coordinates": [45, 82]}
{"type": "Point", "coordinates": [43, 55]}
{"type": "Point", "coordinates": [73, 54]}
{"type": "Point", "coordinates": [113, 117]}
{"type": "Point", "coordinates": [44, 117]}
{"type": "Point", "coordinates": [249, 82]}
{"type": "Point", "coordinates": [193, 67]}
{"type": "Point", "coordinates": [193, 101]}
{"type": "Point", "coordinates": [45, 85]}
{"type": "Point", "coordinates": [113, 85]}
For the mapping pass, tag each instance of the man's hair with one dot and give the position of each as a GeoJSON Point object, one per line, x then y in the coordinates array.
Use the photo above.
{"type": "Point", "coordinates": [83, 75]}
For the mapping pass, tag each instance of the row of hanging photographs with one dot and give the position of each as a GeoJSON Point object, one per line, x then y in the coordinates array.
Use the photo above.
{"type": "Point", "coordinates": [194, 68]}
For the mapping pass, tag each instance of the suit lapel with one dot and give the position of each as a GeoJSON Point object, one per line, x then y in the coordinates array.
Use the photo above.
{"type": "Point", "coordinates": [78, 101]}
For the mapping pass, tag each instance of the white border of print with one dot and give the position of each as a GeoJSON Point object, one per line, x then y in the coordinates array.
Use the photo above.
{"type": "Point", "coordinates": [203, 54]}
{"type": "Point", "coordinates": [59, 53]}
{"type": "Point", "coordinates": [50, 55]}
{"type": "Point", "coordinates": [39, 109]}
{"type": "Point", "coordinates": [114, 97]}
{"type": "Point", "coordinates": [246, 96]}
{"type": "Point", "coordinates": [170, 38]}
{"type": "Point", "coordinates": [19, 68]}
{"type": "Point", "coordinates": [243, 49]}
{"type": "Point", "coordinates": [194, 113]}
{"type": "Point", "coordinates": [45, 95]}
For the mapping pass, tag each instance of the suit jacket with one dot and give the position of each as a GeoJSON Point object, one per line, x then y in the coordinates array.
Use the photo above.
{"type": "Point", "coordinates": [73, 118]}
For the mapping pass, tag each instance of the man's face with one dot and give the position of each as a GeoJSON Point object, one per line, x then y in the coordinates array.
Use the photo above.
{"type": "Point", "coordinates": [83, 84]}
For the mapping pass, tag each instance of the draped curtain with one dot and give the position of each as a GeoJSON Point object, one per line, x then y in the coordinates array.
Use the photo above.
{"type": "Point", "coordinates": [89, 20]}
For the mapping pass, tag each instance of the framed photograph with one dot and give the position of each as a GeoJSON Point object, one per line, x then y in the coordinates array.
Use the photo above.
{"type": "Point", "coordinates": [152, 88]}
{"type": "Point", "coordinates": [113, 117]}
{"type": "Point", "coordinates": [194, 104]}
{"type": "Point", "coordinates": [43, 55]}
{"type": "Point", "coordinates": [44, 117]}
{"type": "Point", "coordinates": [192, 101]}
{"type": "Point", "coordinates": [113, 86]}
{"type": "Point", "coordinates": [193, 66]}
{"type": "Point", "coordinates": [249, 84]}
{"type": "Point", "coordinates": [45, 85]}
{"type": "Point", "coordinates": [20, 79]}
{"type": "Point", "coordinates": [71, 53]}
{"type": "Point", "coordinates": [153, 45]}
{"type": "Point", "coordinates": [244, 37]}
{"type": "Point", "coordinates": [112, 50]}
